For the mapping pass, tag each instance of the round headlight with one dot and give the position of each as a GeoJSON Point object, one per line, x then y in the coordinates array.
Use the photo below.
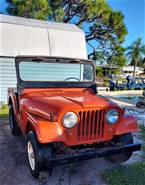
{"type": "Point", "coordinates": [69, 120]}
{"type": "Point", "coordinates": [112, 116]}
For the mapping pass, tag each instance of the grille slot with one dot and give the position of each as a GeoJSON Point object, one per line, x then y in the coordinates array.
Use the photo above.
{"type": "Point", "coordinates": [91, 125]}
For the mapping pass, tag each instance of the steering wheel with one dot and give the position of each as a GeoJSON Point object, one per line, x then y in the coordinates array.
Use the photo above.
{"type": "Point", "coordinates": [72, 78]}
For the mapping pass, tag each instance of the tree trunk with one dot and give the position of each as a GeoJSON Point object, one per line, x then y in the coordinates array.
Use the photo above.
{"type": "Point", "coordinates": [135, 64]}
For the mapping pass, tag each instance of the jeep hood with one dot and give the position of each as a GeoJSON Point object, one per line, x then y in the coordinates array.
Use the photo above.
{"type": "Point", "coordinates": [49, 105]}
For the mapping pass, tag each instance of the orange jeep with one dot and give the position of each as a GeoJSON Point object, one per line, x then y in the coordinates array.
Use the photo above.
{"type": "Point", "coordinates": [57, 108]}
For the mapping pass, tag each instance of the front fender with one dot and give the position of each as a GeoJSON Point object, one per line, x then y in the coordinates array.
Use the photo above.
{"type": "Point", "coordinates": [125, 125]}
{"type": "Point", "coordinates": [48, 132]}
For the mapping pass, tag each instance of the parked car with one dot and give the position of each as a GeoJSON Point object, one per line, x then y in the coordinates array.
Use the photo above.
{"type": "Point", "coordinates": [136, 83]}
{"type": "Point", "coordinates": [121, 85]}
{"type": "Point", "coordinates": [141, 103]}
{"type": "Point", "coordinates": [56, 107]}
{"type": "Point", "coordinates": [131, 83]}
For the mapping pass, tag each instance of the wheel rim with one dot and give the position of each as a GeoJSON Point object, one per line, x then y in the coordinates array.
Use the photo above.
{"type": "Point", "coordinates": [31, 155]}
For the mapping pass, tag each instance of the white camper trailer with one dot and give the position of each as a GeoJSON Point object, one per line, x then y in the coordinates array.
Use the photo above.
{"type": "Point", "coordinates": [21, 36]}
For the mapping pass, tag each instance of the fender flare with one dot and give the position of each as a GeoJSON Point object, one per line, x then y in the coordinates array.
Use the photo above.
{"type": "Point", "coordinates": [127, 124]}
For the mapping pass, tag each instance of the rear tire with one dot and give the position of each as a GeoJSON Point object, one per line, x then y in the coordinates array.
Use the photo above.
{"type": "Point", "coordinates": [121, 140]}
{"type": "Point", "coordinates": [15, 130]}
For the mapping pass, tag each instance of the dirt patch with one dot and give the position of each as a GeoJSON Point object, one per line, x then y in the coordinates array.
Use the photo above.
{"type": "Point", "coordinates": [14, 169]}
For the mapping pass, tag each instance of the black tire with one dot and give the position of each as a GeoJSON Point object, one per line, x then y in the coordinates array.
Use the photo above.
{"type": "Point", "coordinates": [31, 138]}
{"type": "Point", "coordinates": [41, 154]}
{"type": "Point", "coordinates": [15, 130]}
{"type": "Point", "coordinates": [140, 105]}
{"type": "Point", "coordinates": [121, 141]}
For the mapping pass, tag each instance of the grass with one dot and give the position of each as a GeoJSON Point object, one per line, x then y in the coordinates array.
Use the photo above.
{"type": "Point", "coordinates": [133, 174]}
{"type": "Point", "coordinates": [4, 111]}
{"type": "Point", "coordinates": [142, 128]}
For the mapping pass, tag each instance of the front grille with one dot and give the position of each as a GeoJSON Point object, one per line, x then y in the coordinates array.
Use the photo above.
{"type": "Point", "coordinates": [91, 125]}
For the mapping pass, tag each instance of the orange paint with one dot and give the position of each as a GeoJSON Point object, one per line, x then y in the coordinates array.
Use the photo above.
{"type": "Point", "coordinates": [43, 110]}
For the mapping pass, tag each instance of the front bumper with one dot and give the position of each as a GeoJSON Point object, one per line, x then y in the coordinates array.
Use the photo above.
{"type": "Point", "coordinates": [100, 152]}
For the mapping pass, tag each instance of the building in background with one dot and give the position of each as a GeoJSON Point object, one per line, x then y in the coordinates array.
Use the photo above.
{"type": "Point", "coordinates": [128, 70]}
{"type": "Point", "coordinates": [21, 36]}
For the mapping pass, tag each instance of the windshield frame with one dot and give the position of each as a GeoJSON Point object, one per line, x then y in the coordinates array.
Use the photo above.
{"type": "Point", "coordinates": [52, 84]}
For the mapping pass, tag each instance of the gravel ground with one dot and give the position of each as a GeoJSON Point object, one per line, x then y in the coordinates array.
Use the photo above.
{"type": "Point", "coordinates": [139, 114]}
{"type": "Point", "coordinates": [14, 169]}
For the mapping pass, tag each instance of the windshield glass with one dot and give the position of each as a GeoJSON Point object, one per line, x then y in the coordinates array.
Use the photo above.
{"type": "Point", "coordinates": [60, 72]}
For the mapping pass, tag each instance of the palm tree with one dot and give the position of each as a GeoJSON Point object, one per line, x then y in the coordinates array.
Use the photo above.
{"type": "Point", "coordinates": [135, 53]}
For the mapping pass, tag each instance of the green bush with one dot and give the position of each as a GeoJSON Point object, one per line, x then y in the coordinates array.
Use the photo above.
{"type": "Point", "coordinates": [99, 71]}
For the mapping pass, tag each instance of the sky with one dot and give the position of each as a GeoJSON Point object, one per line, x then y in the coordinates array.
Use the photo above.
{"type": "Point", "coordinates": [134, 12]}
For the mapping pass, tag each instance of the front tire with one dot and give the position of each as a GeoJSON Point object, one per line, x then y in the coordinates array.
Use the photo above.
{"type": "Point", "coordinates": [121, 140]}
{"type": "Point", "coordinates": [15, 130]}
{"type": "Point", "coordinates": [32, 154]}
{"type": "Point", "coordinates": [38, 155]}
